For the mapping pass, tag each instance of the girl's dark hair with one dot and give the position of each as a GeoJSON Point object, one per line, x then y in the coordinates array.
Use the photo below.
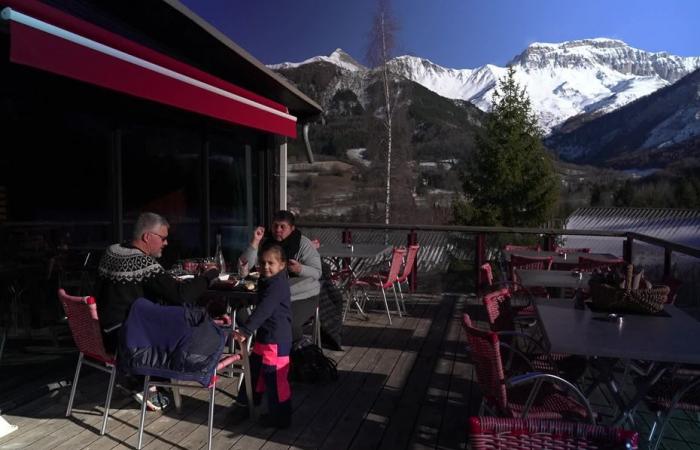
{"type": "Point", "coordinates": [272, 246]}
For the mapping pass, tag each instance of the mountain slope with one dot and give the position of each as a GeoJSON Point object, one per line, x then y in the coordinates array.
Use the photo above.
{"type": "Point", "coordinates": [649, 132]}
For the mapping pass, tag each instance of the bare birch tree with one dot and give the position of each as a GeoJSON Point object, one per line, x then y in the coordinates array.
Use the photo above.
{"type": "Point", "coordinates": [379, 51]}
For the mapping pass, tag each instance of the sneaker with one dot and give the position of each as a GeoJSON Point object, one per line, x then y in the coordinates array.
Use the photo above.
{"type": "Point", "coordinates": [155, 402]}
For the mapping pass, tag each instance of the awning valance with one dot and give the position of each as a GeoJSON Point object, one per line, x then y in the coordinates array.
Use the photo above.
{"type": "Point", "coordinates": [49, 39]}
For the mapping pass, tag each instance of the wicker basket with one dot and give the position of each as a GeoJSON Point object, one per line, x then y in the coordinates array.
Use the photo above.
{"type": "Point", "coordinates": [617, 299]}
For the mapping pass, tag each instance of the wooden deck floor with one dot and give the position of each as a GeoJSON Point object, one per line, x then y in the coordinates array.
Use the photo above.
{"type": "Point", "coordinates": [405, 385]}
{"type": "Point", "coordinates": [409, 385]}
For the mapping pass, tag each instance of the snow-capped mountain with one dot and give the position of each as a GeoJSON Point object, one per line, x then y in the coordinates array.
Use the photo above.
{"type": "Point", "coordinates": [651, 132]}
{"type": "Point", "coordinates": [590, 76]}
{"type": "Point", "coordinates": [563, 80]}
{"type": "Point", "coordinates": [338, 57]}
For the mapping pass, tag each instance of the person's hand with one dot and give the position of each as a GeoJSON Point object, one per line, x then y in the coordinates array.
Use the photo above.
{"type": "Point", "coordinates": [294, 266]}
{"type": "Point", "coordinates": [238, 336]}
{"type": "Point", "coordinates": [257, 236]}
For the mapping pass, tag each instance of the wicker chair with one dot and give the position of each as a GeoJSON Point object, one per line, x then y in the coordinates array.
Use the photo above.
{"type": "Point", "coordinates": [521, 297]}
{"type": "Point", "coordinates": [530, 263]}
{"type": "Point", "coordinates": [681, 391]}
{"type": "Point", "coordinates": [85, 327]}
{"type": "Point", "coordinates": [502, 321]}
{"type": "Point", "coordinates": [491, 433]}
{"type": "Point", "coordinates": [506, 398]}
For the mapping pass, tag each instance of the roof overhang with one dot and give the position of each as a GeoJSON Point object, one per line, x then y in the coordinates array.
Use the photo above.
{"type": "Point", "coordinates": [53, 40]}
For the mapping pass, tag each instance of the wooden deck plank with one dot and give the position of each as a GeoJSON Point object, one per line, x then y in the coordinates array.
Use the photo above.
{"type": "Point", "coordinates": [376, 418]}
{"type": "Point", "coordinates": [403, 421]}
{"type": "Point", "coordinates": [34, 418]}
{"type": "Point", "coordinates": [301, 391]}
{"type": "Point", "coordinates": [410, 385]}
{"type": "Point", "coordinates": [350, 370]}
{"type": "Point", "coordinates": [461, 398]}
{"type": "Point", "coordinates": [322, 394]}
{"type": "Point", "coordinates": [357, 411]}
{"type": "Point", "coordinates": [426, 432]}
{"type": "Point", "coordinates": [314, 435]}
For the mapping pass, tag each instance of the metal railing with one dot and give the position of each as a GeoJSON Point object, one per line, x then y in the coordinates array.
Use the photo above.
{"type": "Point", "coordinates": [547, 237]}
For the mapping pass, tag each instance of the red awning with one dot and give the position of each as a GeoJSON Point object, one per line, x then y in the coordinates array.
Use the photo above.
{"type": "Point", "coordinates": [49, 39]}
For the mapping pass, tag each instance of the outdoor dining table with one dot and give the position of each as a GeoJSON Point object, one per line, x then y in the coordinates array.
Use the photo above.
{"type": "Point", "coordinates": [667, 338]}
{"type": "Point", "coordinates": [553, 278]}
{"type": "Point", "coordinates": [353, 250]}
{"type": "Point", "coordinates": [561, 259]}
{"type": "Point", "coordinates": [350, 256]}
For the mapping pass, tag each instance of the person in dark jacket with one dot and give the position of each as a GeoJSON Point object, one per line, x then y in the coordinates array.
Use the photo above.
{"type": "Point", "coordinates": [303, 266]}
{"type": "Point", "coordinates": [272, 319]}
{"type": "Point", "coordinates": [129, 271]}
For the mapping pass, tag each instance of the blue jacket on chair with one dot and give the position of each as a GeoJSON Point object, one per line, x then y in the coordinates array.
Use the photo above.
{"type": "Point", "coordinates": [179, 342]}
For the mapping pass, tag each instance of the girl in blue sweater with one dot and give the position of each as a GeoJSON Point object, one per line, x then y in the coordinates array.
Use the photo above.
{"type": "Point", "coordinates": [272, 318]}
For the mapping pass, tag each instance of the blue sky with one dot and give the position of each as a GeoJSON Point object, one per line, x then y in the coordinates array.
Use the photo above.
{"type": "Point", "coordinates": [452, 33]}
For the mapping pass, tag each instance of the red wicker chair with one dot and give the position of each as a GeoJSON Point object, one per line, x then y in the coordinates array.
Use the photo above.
{"type": "Point", "coordinates": [491, 433]}
{"type": "Point", "coordinates": [505, 397]}
{"type": "Point", "coordinates": [680, 391]}
{"type": "Point", "coordinates": [521, 297]}
{"type": "Point", "coordinates": [501, 320]}
{"type": "Point", "coordinates": [588, 264]}
{"type": "Point", "coordinates": [531, 263]}
{"type": "Point", "coordinates": [85, 327]}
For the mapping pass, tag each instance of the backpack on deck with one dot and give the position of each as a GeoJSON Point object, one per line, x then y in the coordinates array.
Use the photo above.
{"type": "Point", "coordinates": [310, 365]}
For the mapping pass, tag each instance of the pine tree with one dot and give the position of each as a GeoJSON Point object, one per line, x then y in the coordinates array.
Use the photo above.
{"type": "Point", "coordinates": [510, 180]}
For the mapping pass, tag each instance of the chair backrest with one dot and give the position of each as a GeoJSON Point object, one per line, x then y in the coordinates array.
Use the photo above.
{"type": "Point", "coordinates": [515, 248]}
{"type": "Point", "coordinates": [486, 272]}
{"type": "Point", "coordinates": [588, 264]}
{"type": "Point", "coordinates": [396, 261]}
{"type": "Point", "coordinates": [409, 262]}
{"type": "Point", "coordinates": [515, 434]}
{"type": "Point", "coordinates": [498, 310]}
{"type": "Point", "coordinates": [528, 262]}
{"type": "Point", "coordinates": [572, 250]}
{"type": "Point", "coordinates": [85, 325]}
{"type": "Point", "coordinates": [486, 356]}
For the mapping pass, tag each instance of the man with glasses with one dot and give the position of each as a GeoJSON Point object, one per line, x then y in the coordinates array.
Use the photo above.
{"type": "Point", "coordinates": [129, 271]}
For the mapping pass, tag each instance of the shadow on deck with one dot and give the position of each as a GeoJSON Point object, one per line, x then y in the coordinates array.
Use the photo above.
{"type": "Point", "coordinates": [409, 385]}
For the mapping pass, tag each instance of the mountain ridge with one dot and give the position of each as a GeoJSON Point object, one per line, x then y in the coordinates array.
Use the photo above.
{"type": "Point", "coordinates": [586, 76]}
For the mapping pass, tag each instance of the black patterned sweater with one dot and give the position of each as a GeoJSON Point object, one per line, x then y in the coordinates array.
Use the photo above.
{"type": "Point", "coordinates": [125, 274]}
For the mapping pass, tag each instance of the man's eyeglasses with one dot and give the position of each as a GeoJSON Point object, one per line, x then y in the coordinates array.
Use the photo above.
{"type": "Point", "coordinates": [162, 238]}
